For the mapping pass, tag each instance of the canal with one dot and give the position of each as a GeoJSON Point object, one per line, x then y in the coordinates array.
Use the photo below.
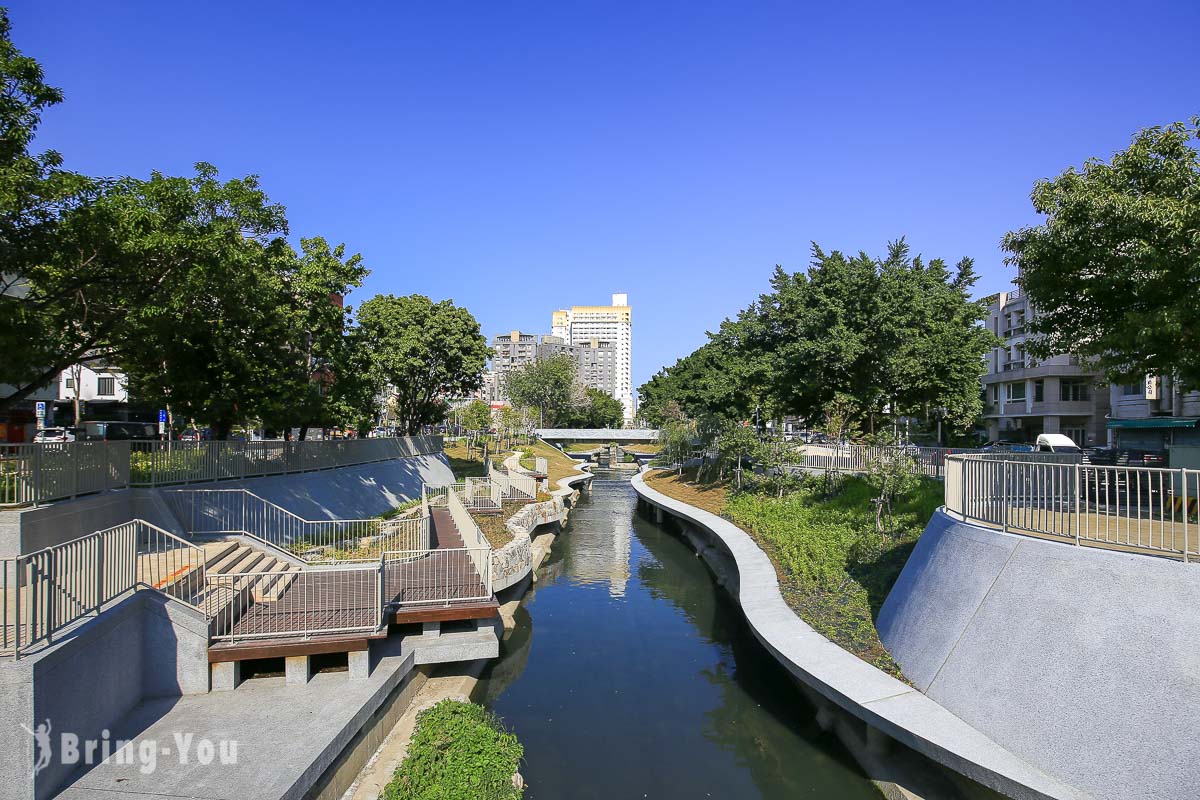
{"type": "Point", "coordinates": [630, 674]}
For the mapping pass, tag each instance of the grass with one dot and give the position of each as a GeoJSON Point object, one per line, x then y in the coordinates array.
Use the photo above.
{"type": "Point", "coordinates": [459, 751]}
{"type": "Point", "coordinates": [644, 448]}
{"type": "Point", "coordinates": [559, 464]}
{"type": "Point", "coordinates": [582, 447]}
{"type": "Point", "coordinates": [492, 525]}
{"type": "Point", "coordinates": [834, 570]}
{"type": "Point", "coordinates": [401, 509]}
{"type": "Point", "coordinates": [462, 463]}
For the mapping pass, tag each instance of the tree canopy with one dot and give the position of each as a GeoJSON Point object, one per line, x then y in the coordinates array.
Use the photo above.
{"type": "Point", "coordinates": [423, 352]}
{"type": "Point", "coordinates": [892, 336]}
{"type": "Point", "coordinates": [548, 385]}
{"type": "Point", "coordinates": [1113, 272]}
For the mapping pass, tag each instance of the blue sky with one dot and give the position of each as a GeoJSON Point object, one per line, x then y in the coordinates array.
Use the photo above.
{"type": "Point", "coordinates": [524, 156]}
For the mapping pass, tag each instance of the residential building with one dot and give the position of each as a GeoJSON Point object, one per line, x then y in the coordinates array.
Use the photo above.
{"type": "Point", "coordinates": [580, 325]}
{"type": "Point", "coordinates": [509, 351]}
{"type": "Point", "coordinates": [101, 389]}
{"type": "Point", "coordinates": [596, 361]}
{"type": "Point", "coordinates": [1024, 398]}
{"type": "Point", "coordinates": [1153, 414]}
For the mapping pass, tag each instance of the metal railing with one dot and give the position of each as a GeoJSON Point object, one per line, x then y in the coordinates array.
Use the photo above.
{"type": "Point", "coordinates": [240, 511]}
{"type": "Point", "coordinates": [297, 603]}
{"type": "Point", "coordinates": [928, 461]}
{"type": "Point", "coordinates": [513, 486]}
{"type": "Point", "coordinates": [38, 473]}
{"type": "Point", "coordinates": [1137, 509]}
{"type": "Point", "coordinates": [49, 590]}
{"type": "Point", "coordinates": [433, 577]}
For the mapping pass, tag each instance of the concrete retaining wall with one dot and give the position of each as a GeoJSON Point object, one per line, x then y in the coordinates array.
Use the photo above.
{"type": "Point", "coordinates": [36, 528]}
{"type": "Point", "coordinates": [835, 678]}
{"type": "Point", "coordinates": [1081, 660]}
{"type": "Point", "coordinates": [351, 492]}
{"type": "Point", "coordinates": [143, 646]}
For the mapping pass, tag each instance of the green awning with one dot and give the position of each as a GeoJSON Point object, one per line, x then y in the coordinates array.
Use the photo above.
{"type": "Point", "coordinates": [1155, 422]}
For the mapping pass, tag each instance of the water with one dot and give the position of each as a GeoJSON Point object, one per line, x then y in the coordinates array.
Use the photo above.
{"type": "Point", "coordinates": [631, 675]}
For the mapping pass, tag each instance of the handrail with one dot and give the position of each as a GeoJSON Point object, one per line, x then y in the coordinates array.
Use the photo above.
{"type": "Point", "coordinates": [1144, 510]}
{"type": "Point", "coordinates": [241, 511]}
{"type": "Point", "coordinates": [51, 589]}
{"type": "Point", "coordinates": [38, 473]}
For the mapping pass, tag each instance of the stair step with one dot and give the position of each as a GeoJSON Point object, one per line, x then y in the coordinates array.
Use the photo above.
{"type": "Point", "coordinates": [215, 551]}
{"type": "Point", "coordinates": [237, 561]}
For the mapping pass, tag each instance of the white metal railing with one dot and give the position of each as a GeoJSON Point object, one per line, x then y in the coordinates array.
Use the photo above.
{"type": "Point", "coordinates": [513, 485]}
{"type": "Point", "coordinates": [297, 603]}
{"type": "Point", "coordinates": [212, 511]}
{"type": "Point", "coordinates": [1139, 509]}
{"type": "Point", "coordinates": [470, 532]}
{"type": "Point", "coordinates": [51, 589]}
{"type": "Point", "coordinates": [433, 577]}
{"type": "Point", "coordinates": [37, 473]}
{"type": "Point", "coordinates": [927, 461]}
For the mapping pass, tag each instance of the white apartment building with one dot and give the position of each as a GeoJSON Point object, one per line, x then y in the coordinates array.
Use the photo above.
{"type": "Point", "coordinates": [1023, 398]}
{"type": "Point", "coordinates": [583, 325]}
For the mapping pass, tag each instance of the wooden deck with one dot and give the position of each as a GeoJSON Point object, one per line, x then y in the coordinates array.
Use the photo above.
{"type": "Point", "coordinates": [442, 585]}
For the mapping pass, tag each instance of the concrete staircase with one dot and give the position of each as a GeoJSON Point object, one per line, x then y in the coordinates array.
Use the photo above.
{"type": "Point", "coordinates": [226, 600]}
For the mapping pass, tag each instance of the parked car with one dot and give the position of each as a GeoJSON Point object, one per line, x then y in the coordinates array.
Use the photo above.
{"type": "Point", "coordinates": [54, 435]}
{"type": "Point", "coordinates": [1057, 443]}
{"type": "Point", "coordinates": [120, 431]}
{"type": "Point", "coordinates": [192, 435]}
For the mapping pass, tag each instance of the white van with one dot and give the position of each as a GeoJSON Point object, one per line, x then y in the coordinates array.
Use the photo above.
{"type": "Point", "coordinates": [1056, 443]}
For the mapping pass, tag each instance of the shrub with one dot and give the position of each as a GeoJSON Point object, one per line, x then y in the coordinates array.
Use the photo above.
{"type": "Point", "coordinates": [459, 751]}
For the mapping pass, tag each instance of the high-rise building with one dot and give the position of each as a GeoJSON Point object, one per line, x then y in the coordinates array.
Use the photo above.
{"type": "Point", "coordinates": [509, 351]}
{"type": "Point", "coordinates": [582, 325]}
{"type": "Point", "coordinates": [596, 361]}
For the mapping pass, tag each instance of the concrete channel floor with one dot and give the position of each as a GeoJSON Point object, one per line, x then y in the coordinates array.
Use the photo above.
{"type": "Point", "coordinates": [286, 737]}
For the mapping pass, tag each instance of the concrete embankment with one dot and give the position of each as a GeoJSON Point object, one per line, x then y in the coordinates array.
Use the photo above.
{"type": "Point", "coordinates": [870, 710]}
{"type": "Point", "coordinates": [1081, 660]}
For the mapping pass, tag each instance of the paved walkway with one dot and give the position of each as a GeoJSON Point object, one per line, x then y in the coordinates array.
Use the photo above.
{"type": "Point", "coordinates": [285, 736]}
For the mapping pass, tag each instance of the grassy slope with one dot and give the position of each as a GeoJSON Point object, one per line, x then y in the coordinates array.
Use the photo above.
{"type": "Point", "coordinates": [559, 463]}
{"type": "Point", "coordinates": [832, 571]}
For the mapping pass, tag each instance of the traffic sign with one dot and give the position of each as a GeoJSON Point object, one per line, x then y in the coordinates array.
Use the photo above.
{"type": "Point", "coordinates": [40, 408]}
{"type": "Point", "coordinates": [162, 415]}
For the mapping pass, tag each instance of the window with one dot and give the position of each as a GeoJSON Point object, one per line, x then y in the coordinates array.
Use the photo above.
{"type": "Point", "coordinates": [69, 383]}
{"type": "Point", "coordinates": [995, 393]}
{"type": "Point", "coordinates": [1133, 390]}
{"type": "Point", "coordinates": [1073, 390]}
{"type": "Point", "coordinates": [106, 387]}
{"type": "Point", "coordinates": [1039, 391]}
{"type": "Point", "coordinates": [1016, 391]}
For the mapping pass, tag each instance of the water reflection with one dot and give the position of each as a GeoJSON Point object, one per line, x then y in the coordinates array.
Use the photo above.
{"type": "Point", "coordinates": [646, 682]}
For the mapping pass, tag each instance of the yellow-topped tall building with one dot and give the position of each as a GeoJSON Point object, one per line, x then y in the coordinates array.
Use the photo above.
{"type": "Point", "coordinates": [580, 325]}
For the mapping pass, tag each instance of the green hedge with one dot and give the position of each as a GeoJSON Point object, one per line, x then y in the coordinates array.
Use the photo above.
{"type": "Point", "coordinates": [459, 751]}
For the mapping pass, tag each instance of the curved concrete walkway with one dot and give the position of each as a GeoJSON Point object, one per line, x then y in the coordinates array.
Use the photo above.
{"type": "Point", "coordinates": [885, 704]}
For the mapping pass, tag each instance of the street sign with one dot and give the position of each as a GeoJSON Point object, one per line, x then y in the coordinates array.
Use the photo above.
{"type": "Point", "coordinates": [40, 409]}
{"type": "Point", "coordinates": [162, 416]}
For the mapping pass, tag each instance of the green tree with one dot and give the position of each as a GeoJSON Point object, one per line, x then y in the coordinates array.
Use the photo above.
{"type": "Point", "coordinates": [1113, 271]}
{"type": "Point", "coordinates": [476, 416]}
{"type": "Point", "coordinates": [217, 338]}
{"type": "Point", "coordinates": [597, 409]}
{"type": "Point", "coordinates": [423, 352]}
{"type": "Point", "coordinates": [548, 385]}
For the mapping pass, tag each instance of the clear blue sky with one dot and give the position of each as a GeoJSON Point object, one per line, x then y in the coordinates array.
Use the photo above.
{"type": "Point", "coordinates": [523, 156]}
